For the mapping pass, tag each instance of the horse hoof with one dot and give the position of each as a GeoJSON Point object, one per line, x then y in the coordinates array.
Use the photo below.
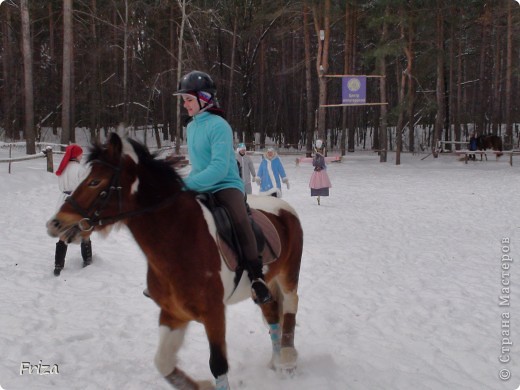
{"type": "Point", "coordinates": [286, 362]}
{"type": "Point", "coordinates": [285, 371]}
{"type": "Point", "coordinates": [205, 385]}
{"type": "Point", "coordinates": [288, 356]}
{"type": "Point", "coordinates": [288, 372]}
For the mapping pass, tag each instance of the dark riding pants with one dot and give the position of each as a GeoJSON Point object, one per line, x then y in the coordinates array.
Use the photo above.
{"type": "Point", "coordinates": [234, 202]}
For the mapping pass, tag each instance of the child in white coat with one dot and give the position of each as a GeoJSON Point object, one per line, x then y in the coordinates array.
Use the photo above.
{"type": "Point", "coordinates": [70, 173]}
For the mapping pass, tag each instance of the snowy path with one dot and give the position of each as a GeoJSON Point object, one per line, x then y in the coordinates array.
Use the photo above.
{"type": "Point", "coordinates": [399, 289]}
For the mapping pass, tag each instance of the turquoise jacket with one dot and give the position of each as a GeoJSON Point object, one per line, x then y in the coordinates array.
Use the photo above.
{"type": "Point", "coordinates": [211, 154]}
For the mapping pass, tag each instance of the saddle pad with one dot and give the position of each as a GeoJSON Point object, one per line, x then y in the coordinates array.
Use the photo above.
{"type": "Point", "coordinates": [272, 247]}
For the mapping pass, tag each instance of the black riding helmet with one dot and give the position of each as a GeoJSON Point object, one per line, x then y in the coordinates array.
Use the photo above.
{"type": "Point", "coordinates": [196, 81]}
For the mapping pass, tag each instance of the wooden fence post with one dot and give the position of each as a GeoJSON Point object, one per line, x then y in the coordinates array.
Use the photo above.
{"type": "Point", "coordinates": [50, 164]}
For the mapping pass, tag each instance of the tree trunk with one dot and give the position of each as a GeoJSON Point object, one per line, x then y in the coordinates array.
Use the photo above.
{"type": "Point", "coordinates": [262, 113]}
{"type": "Point", "coordinates": [458, 100]}
{"type": "Point", "coordinates": [347, 124]}
{"type": "Point", "coordinates": [232, 66]}
{"type": "Point", "coordinates": [172, 100]}
{"type": "Point", "coordinates": [451, 80]}
{"type": "Point", "coordinates": [383, 138]}
{"type": "Point", "coordinates": [28, 79]}
{"type": "Point", "coordinates": [72, 103]}
{"type": "Point", "coordinates": [8, 90]}
{"type": "Point", "coordinates": [53, 74]}
{"type": "Point", "coordinates": [67, 73]}
{"type": "Point", "coordinates": [497, 75]}
{"type": "Point", "coordinates": [410, 55]}
{"type": "Point", "coordinates": [94, 98]}
{"type": "Point", "coordinates": [400, 119]}
{"type": "Point", "coordinates": [182, 5]}
{"type": "Point", "coordinates": [322, 63]}
{"type": "Point", "coordinates": [509, 71]}
{"type": "Point", "coordinates": [440, 90]}
{"type": "Point", "coordinates": [125, 67]}
{"type": "Point", "coordinates": [482, 98]}
{"type": "Point", "coordinates": [308, 82]}
{"type": "Point", "coordinates": [402, 88]}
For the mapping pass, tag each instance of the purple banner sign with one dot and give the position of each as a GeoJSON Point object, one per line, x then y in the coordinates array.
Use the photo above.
{"type": "Point", "coordinates": [354, 90]}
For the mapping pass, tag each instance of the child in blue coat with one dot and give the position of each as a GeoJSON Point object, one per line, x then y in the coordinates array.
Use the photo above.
{"type": "Point", "coordinates": [271, 174]}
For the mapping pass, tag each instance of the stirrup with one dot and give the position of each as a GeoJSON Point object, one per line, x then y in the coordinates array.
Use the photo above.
{"type": "Point", "coordinates": [260, 292]}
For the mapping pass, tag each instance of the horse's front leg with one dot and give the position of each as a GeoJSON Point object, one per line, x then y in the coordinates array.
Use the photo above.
{"type": "Point", "coordinates": [215, 326]}
{"type": "Point", "coordinates": [171, 337]}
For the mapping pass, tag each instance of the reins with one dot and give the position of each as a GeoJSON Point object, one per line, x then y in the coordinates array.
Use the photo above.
{"type": "Point", "coordinates": [92, 222]}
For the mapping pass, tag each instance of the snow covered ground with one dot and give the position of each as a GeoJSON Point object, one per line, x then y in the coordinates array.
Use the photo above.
{"type": "Point", "coordinates": [400, 283]}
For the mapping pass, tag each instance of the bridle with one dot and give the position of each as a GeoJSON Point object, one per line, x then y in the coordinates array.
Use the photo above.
{"type": "Point", "coordinates": [91, 214]}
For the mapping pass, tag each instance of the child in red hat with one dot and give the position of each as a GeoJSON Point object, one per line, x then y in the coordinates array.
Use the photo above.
{"type": "Point", "coordinates": [70, 173]}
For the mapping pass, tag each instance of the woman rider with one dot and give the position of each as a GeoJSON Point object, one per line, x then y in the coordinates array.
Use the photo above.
{"type": "Point", "coordinates": [214, 169]}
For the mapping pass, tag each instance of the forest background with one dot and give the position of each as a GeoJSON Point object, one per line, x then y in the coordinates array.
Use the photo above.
{"type": "Point", "coordinates": [449, 67]}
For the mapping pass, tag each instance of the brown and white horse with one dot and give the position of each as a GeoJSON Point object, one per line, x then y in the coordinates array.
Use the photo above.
{"type": "Point", "coordinates": [187, 276]}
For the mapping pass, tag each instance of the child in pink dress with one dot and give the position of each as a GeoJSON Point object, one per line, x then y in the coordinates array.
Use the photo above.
{"type": "Point", "coordinates": [320, 182]}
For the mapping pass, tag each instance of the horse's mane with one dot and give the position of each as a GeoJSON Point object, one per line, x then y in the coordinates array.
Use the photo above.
{"type": "Point", "coordinates": [161, 175]}
{"type": "Point", "coordinates": [160, 167]}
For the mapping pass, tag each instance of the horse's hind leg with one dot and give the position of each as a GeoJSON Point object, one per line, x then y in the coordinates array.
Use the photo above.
{"type": "Point", "coordinates": [288, 354]}
{"type": "Point", "coordinates": [282, 332]}
{"type": "Point", "coordinates": [271, 314]}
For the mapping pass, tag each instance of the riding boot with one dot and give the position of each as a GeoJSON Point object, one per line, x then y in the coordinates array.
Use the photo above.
{"type": "Point", "coordinates": [59, 257]}
{"type": "Point", "coordinates": [86, 252]}
{"type": "Point", "coordinates": [259, 289]}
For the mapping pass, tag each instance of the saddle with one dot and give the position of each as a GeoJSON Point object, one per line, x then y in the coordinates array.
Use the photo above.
{"type": "Point", "coordinates": [267, 238]}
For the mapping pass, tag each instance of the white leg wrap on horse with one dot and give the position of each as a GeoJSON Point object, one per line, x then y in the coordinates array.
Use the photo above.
{"type": "Point", "coordinates": [290, 303]}
{"type": "Point", "coordinates": [222, 382]}
{"type": "Point", "coordinates": [170, 342]}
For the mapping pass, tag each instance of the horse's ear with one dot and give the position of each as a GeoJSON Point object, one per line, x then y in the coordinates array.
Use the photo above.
{"type": "Point", "coordinates": [115, 145]}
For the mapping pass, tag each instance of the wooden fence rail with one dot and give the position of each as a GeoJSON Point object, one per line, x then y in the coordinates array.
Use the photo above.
{"type": "Point", "coordinates": [47, 153]}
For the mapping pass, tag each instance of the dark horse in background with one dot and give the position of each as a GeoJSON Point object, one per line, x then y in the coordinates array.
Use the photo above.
{"type": "Point", "coordinates": [489, 141]}
{"type": "Point", "coordinates": [186, 276]}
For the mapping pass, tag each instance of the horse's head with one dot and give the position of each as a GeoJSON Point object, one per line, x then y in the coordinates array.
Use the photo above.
{"type": "Point", "coordinates": [103, 196]}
